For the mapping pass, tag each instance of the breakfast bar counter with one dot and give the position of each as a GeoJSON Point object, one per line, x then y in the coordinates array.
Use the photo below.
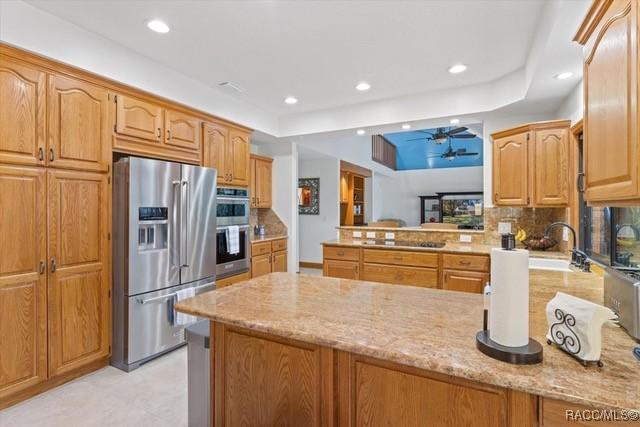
{"type": "Point", "coordinates": [368, 345]}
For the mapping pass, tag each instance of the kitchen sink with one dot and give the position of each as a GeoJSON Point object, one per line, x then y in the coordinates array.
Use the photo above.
{"type": "Point", "coordinates": [550, 264]}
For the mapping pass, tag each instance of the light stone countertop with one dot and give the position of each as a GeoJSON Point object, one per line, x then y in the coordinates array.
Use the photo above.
{"type": "Point", "coordinates": [267, 237]}
{"type": "Point", "coordinates": [430, 329]}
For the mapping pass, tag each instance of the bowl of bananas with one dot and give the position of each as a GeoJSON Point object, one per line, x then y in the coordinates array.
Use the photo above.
{"type": "Point", "coordinates": [535, 243]}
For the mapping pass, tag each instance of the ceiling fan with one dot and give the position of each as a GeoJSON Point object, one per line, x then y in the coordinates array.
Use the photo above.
{"type": "Point", "coordinates": [442, 135]}
{"type": "Point", "coordinates": [450, 154]}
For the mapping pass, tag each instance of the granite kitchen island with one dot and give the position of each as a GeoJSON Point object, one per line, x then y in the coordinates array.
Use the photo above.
{"type": "Point", "coordinates": [325, 351]}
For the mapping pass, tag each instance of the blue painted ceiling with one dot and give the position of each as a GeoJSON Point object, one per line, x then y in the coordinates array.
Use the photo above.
{"type": "Point", "coordinates": [425, 154]}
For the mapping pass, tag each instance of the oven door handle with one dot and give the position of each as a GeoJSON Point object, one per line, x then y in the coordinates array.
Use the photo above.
{"type": "Point", "coordinates": [163, 298]}
{"type": "Point", "coordinates": [234, 199]}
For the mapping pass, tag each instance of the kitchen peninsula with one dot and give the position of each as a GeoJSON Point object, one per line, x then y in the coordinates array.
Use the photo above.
{"type": "Point", "coordinates": [327, 351]}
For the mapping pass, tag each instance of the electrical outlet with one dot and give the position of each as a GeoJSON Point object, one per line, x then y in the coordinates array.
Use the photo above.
{"type": "Point", "coordinates": [371, 234]}
{"type": "Point", "coordinates": [465, 238]}
{"type": "Point", "coordinates": [565, 234]}
{"type": "Point", "coordinates": [504, 227]}
{"type": "Point", "coordinates": [389, 236]}
{"type": "Point", "coordinates": [357, 234]}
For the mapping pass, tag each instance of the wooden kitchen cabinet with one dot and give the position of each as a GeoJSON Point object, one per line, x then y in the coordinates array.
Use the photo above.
{"type": "Point", "coordinates": [79, 285]}
{"type": "Point", "coordinates": [268, 257]}
{"type": "Point", "coordinates": [78, 125]}
{"type": "Point", "coordinates": [394, 274]}
{"type": "Point", "coordinates": [341, 269]}
{"type": "Point", "coordinates": [149, 129]}
{"type": "Point", "coordinates": [227, 150]}
{"type": "Point", "coordinates": [609, 34]}
{"type": "Point", "coordinates": [182, 130]}
{"type": "Point", "coordinates": [23, 292]}
{"type": "Point", "coordinates": [22, 113]}
{"type": "Point", "coordinates": [260, 188]}
{"type": "Point", "coordinates": [531, 165]}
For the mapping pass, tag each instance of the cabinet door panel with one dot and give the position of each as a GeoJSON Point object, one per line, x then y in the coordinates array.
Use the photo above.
{"type": "Point", "coordinates": [610, 115]}
{"type": "Point", "coordinates": [239, 154]}
{"type": "Point", "coordinates": [22, 114]}
{"type": "Point", "coordinates": [263, 183]}
{"type": "Point", "coordinates": [464, 281]}
{"type": "Point", "coordinates": [79, 308]}
{"type": "Point", "coordinates": [510, 171]}
{"type": "Point", "coordinates": [341, 269]}
{"type": "Point", "coordinates": [138, 119]}
{"type": "Point", "coordinates": [280, 262]}
{"type": "Point", "coordinates": [214, 149]}
{"type": "Point", "coordinates": [78, 125]}
{"type": "Point", "coordinates": [23, 293]}
{"type": "Point", "coordinates": [551, 163]}
{"type": "Point", "coordinates": [182, 130]}
{"type": "Point", "coordinates": [260, 265]}
{"type": "Point", "coordinates": [414, 276]}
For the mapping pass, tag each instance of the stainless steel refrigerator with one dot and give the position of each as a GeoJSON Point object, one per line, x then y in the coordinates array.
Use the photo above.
{"type": "Point", "coordinates": [164, 241]}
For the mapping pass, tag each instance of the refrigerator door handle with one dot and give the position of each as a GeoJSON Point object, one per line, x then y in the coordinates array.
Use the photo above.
{"type": "Point", "coordinates": [176, 221]}
{"type": "Point", "coordinates": [184, 218]}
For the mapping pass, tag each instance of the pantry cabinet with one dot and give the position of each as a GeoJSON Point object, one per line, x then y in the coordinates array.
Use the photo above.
{"type": "Point", "coordinates": [79, 269]}
{"type": "Point", "coordinates": [78, 125]}
{"type": "Point", "coordinates": [23, 285]}
{"type": "Point", "coordinates": [260, 188]}
{"type": "Point", "coordinates": [22, 113]}
{"type": "Point", "coordinates": [609, 34]}
{"type": "Point", "coordinates": [531, 165]}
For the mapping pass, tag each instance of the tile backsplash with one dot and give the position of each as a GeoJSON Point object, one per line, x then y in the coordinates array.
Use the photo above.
{"type": "Point", "coordinates": [267, 217]}
{"type": "Point", "coordinates": [533, 220]}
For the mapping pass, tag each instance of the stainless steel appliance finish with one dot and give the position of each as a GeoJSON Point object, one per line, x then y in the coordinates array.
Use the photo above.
{"type": "Point", "coordinates": [228, 264]}
{"type": "Point", "coordinates": [164, 236]}
{"type": "Point", "coordinates": [198, 378]}
{"type": "Point", "coordinates": [232, 208]}
{"type": "Point", "coordinates": [622, 295]}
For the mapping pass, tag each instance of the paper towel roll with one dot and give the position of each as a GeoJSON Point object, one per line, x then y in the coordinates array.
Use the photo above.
{"type": "Point", "coordinates": [509, 309]}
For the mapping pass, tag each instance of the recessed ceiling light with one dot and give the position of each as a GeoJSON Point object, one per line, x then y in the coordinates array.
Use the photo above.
{"type": "Point", "coordinates": [158, 26]}
{"type": "Point", "coordinates": [291, 100]}
{"type": "Point", "coordinates": [564, 75]}
{"type": "Point", "coordinates": [360, 131]}
{"type": "Point", "coordinates": [458, 68]}
{"type": "Point", "coordinates": [363, 86]}
{"type": "Point", "coordinates": [406, 126]}
{"type": "Point", "coordinates": [454, 121]}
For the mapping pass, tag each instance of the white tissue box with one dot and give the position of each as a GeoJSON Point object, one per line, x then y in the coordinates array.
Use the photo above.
{"type": "Point", "coordinates": [575, 325]}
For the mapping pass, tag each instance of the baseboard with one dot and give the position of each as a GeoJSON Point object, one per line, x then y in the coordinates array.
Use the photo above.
{"type": "Point", "coordinates": [52, 382]}
{"type": "Point", "coordinates": [305, 264]}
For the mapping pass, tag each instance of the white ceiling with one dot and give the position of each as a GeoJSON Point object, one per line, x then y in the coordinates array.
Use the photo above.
{"type": "Point", "coordinates": [318, 51]}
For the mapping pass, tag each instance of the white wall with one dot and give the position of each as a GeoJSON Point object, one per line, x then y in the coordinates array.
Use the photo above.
{"type": "Point", "coordinates": [399, 193]}
{"type": "Point", "coordinates": [315, 229]}
{"type": "Point", "coordinates": [572, 107]}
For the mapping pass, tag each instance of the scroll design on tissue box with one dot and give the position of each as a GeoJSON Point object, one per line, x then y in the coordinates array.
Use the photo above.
{"type": "Point", "coordinates": [569, 342]}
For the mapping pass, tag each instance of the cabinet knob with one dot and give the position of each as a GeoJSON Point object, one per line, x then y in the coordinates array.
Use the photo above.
{"type": "Point", "coordinates": [41, 267]}
{"type": "Point", "coordinates": [168, 133]}
{"type": "Point", "coordinates": [53, 265]}
{"type": "Point", "coordinates": [495, 197]}
{"type": "Point", "coordinates": [40, 154]}
{"type": "Point", "coordinates": [159, 133]}
{"type": "Point", "coordinates": [51, 155]}
{"type": "Point", "coordinates": [464, 262]}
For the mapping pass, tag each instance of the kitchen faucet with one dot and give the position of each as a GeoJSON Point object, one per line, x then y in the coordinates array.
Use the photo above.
{"type": "Point", "coordinates": [578, 258]}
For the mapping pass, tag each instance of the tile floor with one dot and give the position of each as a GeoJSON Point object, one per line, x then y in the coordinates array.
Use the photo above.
{"type": "Point", "coordinates": [153, 395]}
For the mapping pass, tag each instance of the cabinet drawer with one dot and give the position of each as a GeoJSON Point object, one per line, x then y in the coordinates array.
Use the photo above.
{"type": "Point", "coordinates": [338, 252]}
{"type": "Point", "coordinates": [415, 276]}
{"type": "Point", "coordinates": [466, 262]}
{"type": "Point", "coordinates": [341, 269]}
{"type": "Point", "coordinates": [464, 281]}
{"type": "Point", "coordinates": [261, 248]}
{"type": "Point", "coordinates": [384, 256]}
{"type": "Point", "coordinates": [278, 245]}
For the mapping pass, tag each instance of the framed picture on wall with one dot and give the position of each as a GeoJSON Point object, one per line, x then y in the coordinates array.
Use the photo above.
{"type": "Point", "coordinates": [309, 196]}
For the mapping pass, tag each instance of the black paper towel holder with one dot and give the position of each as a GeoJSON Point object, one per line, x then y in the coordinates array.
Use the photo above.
{"type": "Point", "coordinates": [528, 354]}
